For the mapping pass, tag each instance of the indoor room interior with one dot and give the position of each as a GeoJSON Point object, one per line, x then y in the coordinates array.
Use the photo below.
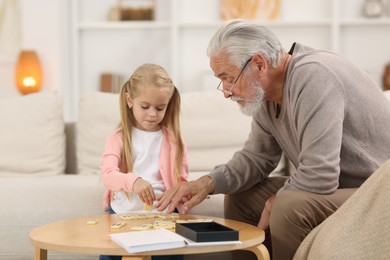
{"type": "Point", "coordinates": [77, 43]}
{"type": "Point", "coordinates": [62, 63]}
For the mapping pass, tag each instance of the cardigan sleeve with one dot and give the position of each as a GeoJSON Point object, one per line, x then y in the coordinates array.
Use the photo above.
{"type": "Point", "coordinates": [167, 161]}
{"type": "Point", "coordinates": [112, 178]}
{"type": "Point", "coordinates": [184, 170]}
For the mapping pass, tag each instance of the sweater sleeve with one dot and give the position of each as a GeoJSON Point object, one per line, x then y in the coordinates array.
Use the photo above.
{"type": "Point", "coordinates": [112, 178]}
{"type": "Point", "coordinates": [249, 166]}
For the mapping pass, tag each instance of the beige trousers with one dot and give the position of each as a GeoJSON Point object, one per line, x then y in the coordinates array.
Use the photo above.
{"type": "Point", "coordinates": [294, 213]}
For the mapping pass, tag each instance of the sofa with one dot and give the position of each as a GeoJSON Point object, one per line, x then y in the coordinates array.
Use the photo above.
{"type": "Point", "coordinates": [359, 229]}
{"type": "Point", "coordinates": [49, 169]}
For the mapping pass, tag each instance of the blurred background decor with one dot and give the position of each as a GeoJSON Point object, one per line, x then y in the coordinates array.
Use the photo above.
{"type": "Point", "coordinates": [250, 9]}
{"type": "Point", "coordinates": [373, 8]}
{"type": "Point", "coordinates": [386, 77]}
{"type": "Point", "coordinates": [110, 82]}
{"type": "Point", "coordinates": [28, 72]}
{"type": "Point", "coordinates": [136, 10]}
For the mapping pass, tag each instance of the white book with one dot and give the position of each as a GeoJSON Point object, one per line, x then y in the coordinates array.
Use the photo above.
{"type": "Point", "coordinates": [148, 240]}
{"type": "Point", "coordinates": [158, 239]}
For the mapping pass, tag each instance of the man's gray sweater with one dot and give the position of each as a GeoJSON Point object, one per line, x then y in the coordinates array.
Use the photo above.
{"type": "Point", "coordinates": [334, 126]}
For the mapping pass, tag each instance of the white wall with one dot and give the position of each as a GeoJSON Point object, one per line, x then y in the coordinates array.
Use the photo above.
{"type": "Point", "coordinates": [44, 28]}
{"type": "Point", "coordinates": [10, 40]}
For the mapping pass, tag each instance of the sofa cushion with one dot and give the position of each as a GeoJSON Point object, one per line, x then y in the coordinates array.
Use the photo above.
{"type": "Point", "coordinates": [213, 128]}
{"type": "Point", "coordinates": [33, 201]}
{"type": "Point", "coordinates": [98, 115]}
{"type": "Point", "coordinates": [359, 229]}
{"type": "Point", "coordinates": [212, 206]}
{"type": "Point", "coordinates": [387, 94]}
{"type": "Point", "coordinates": [32, 135]}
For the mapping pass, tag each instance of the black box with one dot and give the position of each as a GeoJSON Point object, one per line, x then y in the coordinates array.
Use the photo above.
{"type": "Point", "coordinates": [206, 232]}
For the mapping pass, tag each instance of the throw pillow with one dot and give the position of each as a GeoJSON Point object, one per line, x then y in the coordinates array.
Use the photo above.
{"type": "Point", "coordinates": [98, 115]}
{"type": "Point", "coordinates": [208, 120]}
{"type": "Point", "coordinates": [32, 135]}
{"type": "Point", "coordinates": [212, 127]}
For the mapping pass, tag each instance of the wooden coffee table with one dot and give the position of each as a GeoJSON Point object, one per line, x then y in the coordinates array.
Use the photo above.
{"type": "Point", "coordinates": [75, 236]}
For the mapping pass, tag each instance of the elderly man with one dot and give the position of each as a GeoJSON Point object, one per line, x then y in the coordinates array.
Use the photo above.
{"type": "Point", "coordinates": [325, 114]}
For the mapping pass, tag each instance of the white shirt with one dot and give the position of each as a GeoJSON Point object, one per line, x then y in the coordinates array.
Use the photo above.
{"type": "Point", "coordinates": [146, 151]}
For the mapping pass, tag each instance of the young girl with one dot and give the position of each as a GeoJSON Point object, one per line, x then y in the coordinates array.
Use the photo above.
{"type": "Point", "coordinates": [145, 155]}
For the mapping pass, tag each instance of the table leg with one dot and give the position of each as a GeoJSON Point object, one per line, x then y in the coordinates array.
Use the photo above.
{"type": "Point", "coordinates": [40, 254]}
{"type": "Point", "coordinates": [141, 257]}
{"type": "Point", "coordinates": [260, 251]}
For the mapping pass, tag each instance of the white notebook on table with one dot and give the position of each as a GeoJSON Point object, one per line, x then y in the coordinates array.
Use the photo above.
{"type": "Point", "coordinates": [158, 239]}
{"type": "Point", "coordinates": [148, 240]}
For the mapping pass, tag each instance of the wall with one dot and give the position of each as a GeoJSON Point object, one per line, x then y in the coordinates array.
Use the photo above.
{"type": "Point", "coordinates": [45, 29]}
{"type": "Point", "coordinates": [10, 40]}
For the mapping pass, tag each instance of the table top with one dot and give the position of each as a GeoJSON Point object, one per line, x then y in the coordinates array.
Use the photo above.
{"type": "Point", "coordinates": [76, 236]}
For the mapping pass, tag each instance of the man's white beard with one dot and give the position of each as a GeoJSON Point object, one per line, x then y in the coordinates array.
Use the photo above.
{"type": "Point", "coordinates": [253, 105]}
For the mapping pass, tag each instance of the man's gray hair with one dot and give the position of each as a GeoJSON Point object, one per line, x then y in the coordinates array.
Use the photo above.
{"type": "Point", "coordinates": [241, 39]}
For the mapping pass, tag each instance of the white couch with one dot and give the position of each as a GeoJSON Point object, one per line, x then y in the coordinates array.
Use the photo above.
{"type": "Point", "coordinates": [359, 229]}
{"type": "Point", "coordinates": [49, 169]}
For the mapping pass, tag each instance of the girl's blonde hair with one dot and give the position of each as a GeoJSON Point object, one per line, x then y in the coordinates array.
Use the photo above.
{"type": "Point", "coordinates": [149, 75]}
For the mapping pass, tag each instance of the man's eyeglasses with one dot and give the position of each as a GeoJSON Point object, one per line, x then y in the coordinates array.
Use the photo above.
{"type": "Point", "coordinates": [229, 92]}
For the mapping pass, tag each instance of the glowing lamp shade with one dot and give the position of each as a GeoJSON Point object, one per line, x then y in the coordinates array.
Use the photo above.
{"type": "Point", "coordinates": [28, 72]}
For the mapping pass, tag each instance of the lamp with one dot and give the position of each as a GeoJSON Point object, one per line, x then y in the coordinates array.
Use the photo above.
{"type": "Point", "coordinates": [28, 73]}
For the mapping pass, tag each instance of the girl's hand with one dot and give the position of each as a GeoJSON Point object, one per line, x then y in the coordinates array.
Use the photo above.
{"type": "Point", "coordinates": [144, 191]}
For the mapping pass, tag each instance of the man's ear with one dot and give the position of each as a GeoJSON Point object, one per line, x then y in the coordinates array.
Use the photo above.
{"type": "Point", "coordinates": [261, 63]}
{"type": "Point", "coordinates": [129, 101]}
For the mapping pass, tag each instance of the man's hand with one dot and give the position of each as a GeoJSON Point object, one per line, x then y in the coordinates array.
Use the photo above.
{"type": "Point", "coordinates": [264, 220]}
{"type": "Point", "coordinates": [144, 191]}
{"type": "Point", "coordinates": [185, 195]}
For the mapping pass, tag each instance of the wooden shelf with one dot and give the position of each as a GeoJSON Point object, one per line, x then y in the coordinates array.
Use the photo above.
{"type": "Point", "coordinates": [123, 25]}
{"type": "Point", "coordinates": [178, 38]}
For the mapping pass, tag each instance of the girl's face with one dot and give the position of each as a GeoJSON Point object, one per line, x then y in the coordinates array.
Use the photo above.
{"type": "Point", "coordinates": [149, 107]}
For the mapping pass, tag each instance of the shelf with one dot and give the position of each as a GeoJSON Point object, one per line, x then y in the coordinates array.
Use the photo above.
{"type": "Point", "coordinates": [366, 22]}
{"type": "Point", "coordinates": [179, 37]}
{"type": "Point", "coordinates": [200, 25]}
{"type": "Point", "coordinates": [295, 23]}
{"type": "Point", "coordinates": [123, 25]}
{"type": "Point", "coordinates": [213, 25]}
